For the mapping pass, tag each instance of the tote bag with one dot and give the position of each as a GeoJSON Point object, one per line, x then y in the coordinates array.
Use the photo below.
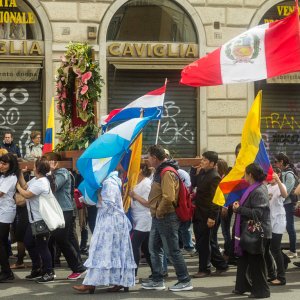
{"type": "Point", "coordinates": [51, 211]}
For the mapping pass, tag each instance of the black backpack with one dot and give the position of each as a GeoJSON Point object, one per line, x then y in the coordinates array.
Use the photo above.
{"type": "Point", "coordinates": [292, 196]}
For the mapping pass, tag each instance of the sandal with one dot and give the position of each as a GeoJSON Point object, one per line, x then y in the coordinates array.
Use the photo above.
{"type": "Point", "coordinates": [16, 266]}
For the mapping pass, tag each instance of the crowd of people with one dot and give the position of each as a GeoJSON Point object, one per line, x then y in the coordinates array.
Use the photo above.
{"type": "Point", "coordinates": [152, 228]}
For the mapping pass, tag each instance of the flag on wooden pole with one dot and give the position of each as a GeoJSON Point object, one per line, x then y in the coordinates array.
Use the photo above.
{"type": "Point", "coordinates": [50, 130]}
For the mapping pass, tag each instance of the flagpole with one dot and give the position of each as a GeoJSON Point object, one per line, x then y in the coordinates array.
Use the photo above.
{"type": "Point", "coordinates": [159, 121]}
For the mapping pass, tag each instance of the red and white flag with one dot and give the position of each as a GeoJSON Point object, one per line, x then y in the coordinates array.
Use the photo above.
{"type": "Point", "coordinates": [262, 52]}
{"type": "Point", "coordinates": [151, 104]}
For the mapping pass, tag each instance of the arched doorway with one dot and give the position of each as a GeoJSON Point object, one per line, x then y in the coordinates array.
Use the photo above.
{"type": "Point", "coordinates": [164, 40]}
{"type": "Point", "coordinates": [280, 117]}
{"type": "Point", "coordinates": [22, 65]}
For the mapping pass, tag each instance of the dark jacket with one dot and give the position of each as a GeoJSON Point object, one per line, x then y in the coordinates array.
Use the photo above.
{"type": "Point", "coordinates": [206, 183]}
{"type": "Point", "coordinates": [163, 196]}
{"type": "Point", "coordinates": [257, 202]}
{"type": "Point", "coordinates": [12, 148]}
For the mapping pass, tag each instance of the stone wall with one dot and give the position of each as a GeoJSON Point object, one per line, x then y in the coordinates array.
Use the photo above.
{"type": "Point", "coordinates": [226, 106]}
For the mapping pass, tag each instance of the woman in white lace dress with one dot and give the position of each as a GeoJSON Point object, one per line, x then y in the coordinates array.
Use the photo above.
{"type": "Point", "coordinates": [110, 260]}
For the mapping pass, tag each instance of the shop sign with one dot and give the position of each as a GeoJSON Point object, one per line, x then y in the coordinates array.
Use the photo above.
{"type": "Point", "coordinates": [19, 72]}
{"type": "Point", "coordinates": [8, 16]}
{"type": "Point", "coordinates": [152, 50]}
{"type": "Point", "coordinates": [286, 78]}
{"type": "Point", "coordinates": [279, 11]}
{"type": "Point", "coordinates": [23, 48]}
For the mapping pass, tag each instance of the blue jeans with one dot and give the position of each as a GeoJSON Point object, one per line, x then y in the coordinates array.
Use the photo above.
{"type": "Point", "coordinates": [164, 236]}
{"type": "Point", "coordinates": [290, 226]}
{"type": "Point", "coordinates": [185, 233]}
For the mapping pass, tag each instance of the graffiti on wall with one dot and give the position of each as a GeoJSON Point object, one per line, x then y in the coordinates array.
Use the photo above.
{"type": "Point", "coordinates": [171, 130]}
{"type": "Point", "coordinates": [11, 117]}
{"type": "Point", "coordinates": [281, 133]}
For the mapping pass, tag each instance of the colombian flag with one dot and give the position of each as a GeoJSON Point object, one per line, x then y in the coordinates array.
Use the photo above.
{"type": "Point", "coordinates": [232, 186]}
{"type": "Point", "coordinates": [49, 135]}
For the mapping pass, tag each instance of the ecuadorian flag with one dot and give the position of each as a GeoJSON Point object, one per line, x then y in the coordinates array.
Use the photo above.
{"type": "Point", "coordinates": [232, 186]}
{"type": "Point", "coordinates": [50, 131]}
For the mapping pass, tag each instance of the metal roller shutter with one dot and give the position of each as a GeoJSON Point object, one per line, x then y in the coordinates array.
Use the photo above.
{"type": "Point", "coordinates": [280, 119]}
{"type": "Point", "coordinates": [178, 131]}
{"type": "Point", "coordinates": [20, 110]}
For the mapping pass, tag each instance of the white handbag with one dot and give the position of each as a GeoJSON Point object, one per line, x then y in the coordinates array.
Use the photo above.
{"type": "Point", "coordinates": [51, 211]}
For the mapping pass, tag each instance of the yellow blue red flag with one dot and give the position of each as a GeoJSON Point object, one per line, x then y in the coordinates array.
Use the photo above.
{"type": "Point", "coordinates": [50, 131]}
{"type": "Point", "coordinates": [133, 170]}
{"type": "Point", "coordinates": [232, 186]}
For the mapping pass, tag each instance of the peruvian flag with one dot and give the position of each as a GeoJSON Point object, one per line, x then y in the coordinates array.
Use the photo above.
{"type": "Point", "coordinates": [262, 52]}
{"type": "Point", "coordinates": [149, 105]}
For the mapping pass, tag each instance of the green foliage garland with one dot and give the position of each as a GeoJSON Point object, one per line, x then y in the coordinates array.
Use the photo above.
{"type": "Point", "coordinates": [77, 75]}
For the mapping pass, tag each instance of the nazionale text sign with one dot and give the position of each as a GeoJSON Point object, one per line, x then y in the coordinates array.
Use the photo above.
{"type": "Point", "coordinates": [8, 16]}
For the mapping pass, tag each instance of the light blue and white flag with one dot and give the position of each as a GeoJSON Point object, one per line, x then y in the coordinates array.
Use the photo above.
{"type": "Point", "coordinates": [104, 154]}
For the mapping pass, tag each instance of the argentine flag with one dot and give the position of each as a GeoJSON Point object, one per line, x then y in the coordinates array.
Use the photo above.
{"type": "Point", "coordinates": [104, 154]}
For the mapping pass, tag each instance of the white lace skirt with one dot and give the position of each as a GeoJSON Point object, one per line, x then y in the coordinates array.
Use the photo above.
{"type": "Point", "coordinates": [110, 260]}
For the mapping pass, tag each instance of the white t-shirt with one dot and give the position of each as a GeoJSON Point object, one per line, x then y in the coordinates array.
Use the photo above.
{"type": "Point", "coordinates": [7, 201]}
{"type": "Point", "coordinates": [277, 211]}
{"type": "Point", "coordinates": [141, 216]}
{"type": "Point", "coordinates": [37, 187]}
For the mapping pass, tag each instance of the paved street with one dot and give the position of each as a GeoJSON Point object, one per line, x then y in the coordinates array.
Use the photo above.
{"type": "Point", "coordinates": [214, 287]}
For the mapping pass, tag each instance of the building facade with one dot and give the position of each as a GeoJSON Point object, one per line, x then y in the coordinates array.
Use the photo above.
{"type": "Point", "coordinates": [140, 43]}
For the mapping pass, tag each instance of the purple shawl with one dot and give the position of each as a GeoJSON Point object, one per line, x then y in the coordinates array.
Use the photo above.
{"type": "Point", "coordinates": [237, 230]}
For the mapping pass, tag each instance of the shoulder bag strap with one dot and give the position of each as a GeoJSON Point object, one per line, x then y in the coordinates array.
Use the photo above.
{"type": "Point", "coordinates": [30, 211]}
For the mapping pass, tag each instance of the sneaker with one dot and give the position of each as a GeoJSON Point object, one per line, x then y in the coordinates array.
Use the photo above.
{"type": "Point", "coordinates": [137, 280]}
{"type": "Point", "coordinates": [220, 271]}
{"type": "Point", "coordinates": [75, 276]}
{"type": "Point", "coordinates": [35, 274]}
{"type": "Point", "coordinates": [291, 254]}
{"type": "Point", "coordinates": [297, 264]}
{"type": "Point", "coordinates": [190, 252]}
{"type": "Point", "coordinates": [181, 286]}
{"type": "Point", "coordinates": [152, 285]}
{"type": "Point", "coordinates": [84, 251]}
{"type": "Point", "coordinates": [6, 276]}
{"type": "Point", "coordinates": [195, 253]}
{"type": "Point", "coordinates": [145, 280]}
{"type": "Point", "coordinates": [165, 275]}
{"type": "Point", "coordinates": [46, 278]}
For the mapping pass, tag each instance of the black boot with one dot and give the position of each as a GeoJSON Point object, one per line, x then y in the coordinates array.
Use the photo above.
{"type": "Point", "coordinates": [6, 276]}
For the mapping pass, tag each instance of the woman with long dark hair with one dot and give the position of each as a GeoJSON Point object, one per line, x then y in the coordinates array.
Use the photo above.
{"type": "Point", "coordinates": [288, 174]}
{"type": "Point", "coordinates": [37, 246]}
{"type": "Point", "coordinates": [9, 171]}
{"type": "Point", "coordinates": [251, 268]}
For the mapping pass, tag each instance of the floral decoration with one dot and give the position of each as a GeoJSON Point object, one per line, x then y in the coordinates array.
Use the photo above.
{"type": "Point", "coordinates": [78, 75]}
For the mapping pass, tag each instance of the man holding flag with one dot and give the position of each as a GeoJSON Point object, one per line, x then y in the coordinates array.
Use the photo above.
{"type": "Point", "coordinates": [165, 223]}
